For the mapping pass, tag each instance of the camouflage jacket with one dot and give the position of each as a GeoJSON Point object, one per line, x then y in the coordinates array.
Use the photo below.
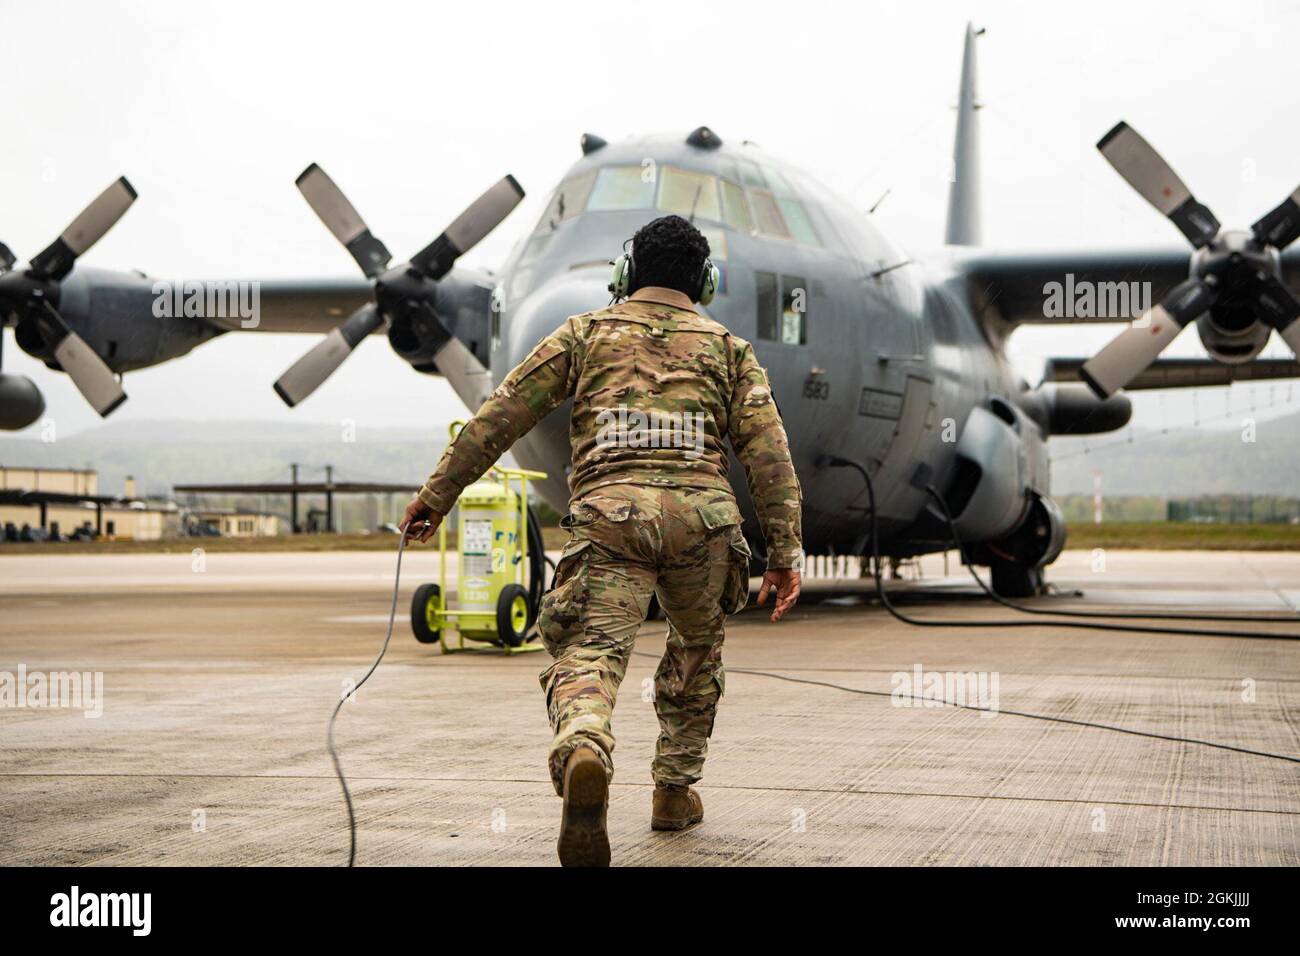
{"type": "Point", "coordinates": [656, 389]}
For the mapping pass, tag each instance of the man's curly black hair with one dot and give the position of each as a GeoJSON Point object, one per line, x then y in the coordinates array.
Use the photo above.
{"type": "Point", "coordinates": [670, 252]}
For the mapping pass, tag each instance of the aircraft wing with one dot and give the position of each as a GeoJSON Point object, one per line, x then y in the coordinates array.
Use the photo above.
{"type": "Point", "coordinates": [298, 305]}
{"type": "Point", "coordinates": [1013, 288]}
{"type": "Point", "coordinates": [1185, 372]}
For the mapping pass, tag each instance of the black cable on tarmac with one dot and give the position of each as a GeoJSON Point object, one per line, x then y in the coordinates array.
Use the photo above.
{"type": "Point", "coordinates": [1121, 615]}
{"type": "Point", "coordinates": [888, 605]}
{"type": "Point", "coordinates": [535, 528]}
{"type": "Point", "coordinates": [329, 737]}
{"type": "Point", "coordinates": [837, 462]}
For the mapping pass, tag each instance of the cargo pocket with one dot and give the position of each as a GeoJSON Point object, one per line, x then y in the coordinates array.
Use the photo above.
{"type": "Point", "coordinates": [719, 679]}
{"type": "Point", "coordinates": [735, 593]}
{"type": "Point", "coordinates": [564, 604]}
{"type": "Point", "coordinates": [723, 517]}
{"type": "Point", "coordinates": [719, 514]}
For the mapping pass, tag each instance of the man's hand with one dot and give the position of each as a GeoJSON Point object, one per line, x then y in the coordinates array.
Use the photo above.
{"type": "Point", "coordinates": [421, 521]}
{"type": "Point", "coordinates": [785, 581]}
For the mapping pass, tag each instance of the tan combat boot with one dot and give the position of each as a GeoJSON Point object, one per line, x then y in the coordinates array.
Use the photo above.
{"type": "Point", "coordinates": [675, 808]}
{"type": "Point", "coordinates": [583, 838]}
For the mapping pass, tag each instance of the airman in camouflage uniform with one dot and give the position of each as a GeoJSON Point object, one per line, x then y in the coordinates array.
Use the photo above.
{"type": "Point", "coordinates": [657, 388]}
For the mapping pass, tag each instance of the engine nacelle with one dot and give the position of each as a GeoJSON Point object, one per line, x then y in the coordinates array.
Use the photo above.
{"type": "Point", "coordinates": [1038, 541]}
{"type": "Point", "coordinates": [116, 313]}
{"type": "Point", "coordinates": [419, 328]}
{"type": "Point", "coordinates": [1232, 346]}
{"type": "Point", "coordinates": [998, 514]}
{"type": "Point", "coordinates": [988, 498]}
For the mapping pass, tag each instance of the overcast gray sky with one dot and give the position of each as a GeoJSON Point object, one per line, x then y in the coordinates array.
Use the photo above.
{"type": "Point", "coordinates": [212, 109]}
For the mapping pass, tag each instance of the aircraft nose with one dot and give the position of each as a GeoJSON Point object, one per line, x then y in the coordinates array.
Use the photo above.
{"type": "Point", "coordinates": [546, 447]}
{"type": "Point", "coordinates": [546, 308]}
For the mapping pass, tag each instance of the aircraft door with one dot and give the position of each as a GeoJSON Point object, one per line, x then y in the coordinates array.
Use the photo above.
{"type": "Point", "coordinates": [891, 397]}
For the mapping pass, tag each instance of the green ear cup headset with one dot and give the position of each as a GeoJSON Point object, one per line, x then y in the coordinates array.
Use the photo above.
{"type": "Point", "coordinates": [708, 282]}
{"type": "Point", "coordinates": [620, 285]}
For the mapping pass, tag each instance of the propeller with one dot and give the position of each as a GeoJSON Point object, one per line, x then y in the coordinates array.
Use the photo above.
{"type": "Point", "coordinates": [399, 287]}
{"type": "Point", "coordinates": [33, 294]}
{"type": "Point", "coordinates": [1238, 272]}
{"type": "Point", "coordinates": [1134, 349]}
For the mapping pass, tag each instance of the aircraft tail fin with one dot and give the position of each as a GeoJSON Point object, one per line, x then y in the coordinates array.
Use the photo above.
{"type": "Point", "coordinates": [963, 228]}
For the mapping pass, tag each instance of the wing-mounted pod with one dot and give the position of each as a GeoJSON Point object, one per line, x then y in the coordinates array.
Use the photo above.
{"type": "Point", "coordinates": [1069, 408]}
{"type": "Point", "coordinates": [21, 402]}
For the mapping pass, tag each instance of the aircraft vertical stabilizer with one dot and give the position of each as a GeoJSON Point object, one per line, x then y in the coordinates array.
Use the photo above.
{"type": "Point", "coordinates": [963, 227]}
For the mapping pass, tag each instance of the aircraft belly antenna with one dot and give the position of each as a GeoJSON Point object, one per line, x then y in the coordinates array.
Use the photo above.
{"type": "Point", "coordinates": [963, 228]}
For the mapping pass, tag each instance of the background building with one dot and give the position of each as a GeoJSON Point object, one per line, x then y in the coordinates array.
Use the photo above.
{"type": "Point", "coordinates": [232, 523]}
{"type": "Point", "coordinates": [64, 500]}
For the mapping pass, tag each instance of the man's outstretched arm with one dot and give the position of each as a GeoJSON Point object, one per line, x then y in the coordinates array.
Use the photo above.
{"type": "Point", "coordinates": [535, 387]}
{"type": "Point", "coordinates": [758, 436]}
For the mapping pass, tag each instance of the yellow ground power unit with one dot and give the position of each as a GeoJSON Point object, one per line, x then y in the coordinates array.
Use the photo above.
{"type": "Point", "coordinates": [499, 566]}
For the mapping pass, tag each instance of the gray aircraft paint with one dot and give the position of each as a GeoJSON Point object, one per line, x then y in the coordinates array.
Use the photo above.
{"type": "Point", "coordinates": [898, 340]}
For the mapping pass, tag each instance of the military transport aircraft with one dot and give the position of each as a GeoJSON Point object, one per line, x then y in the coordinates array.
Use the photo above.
{"type": "Point", "coordinates": [892, 361]}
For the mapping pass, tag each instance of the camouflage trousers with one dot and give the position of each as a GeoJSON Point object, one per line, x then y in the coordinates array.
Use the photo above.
{"type": "Point", "coordinates": [627, 542]}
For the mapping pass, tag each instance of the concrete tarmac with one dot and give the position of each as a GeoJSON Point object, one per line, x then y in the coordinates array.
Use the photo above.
{"type": "Point", "coordinates": [219, 673]}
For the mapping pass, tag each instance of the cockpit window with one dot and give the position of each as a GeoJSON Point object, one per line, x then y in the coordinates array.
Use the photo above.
{"type": "Point", "coordinates": [569, 200]}
{"type": "Point", "coordinates": [688, 194]}
{"type": "Point", "coordinates": [748, 198]}
{"type": "Point", "coordinates": [622, 187]}
{"type": "Point", "coordinates": [735, 211]}
{"type": "Point", "coordinates": [767, 214]}
{"type": "Point", "coordinates": [796, 217]}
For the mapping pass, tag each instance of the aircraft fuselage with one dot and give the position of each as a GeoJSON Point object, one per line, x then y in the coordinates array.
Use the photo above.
{"type": "Point", "coordinates": [872, 357]}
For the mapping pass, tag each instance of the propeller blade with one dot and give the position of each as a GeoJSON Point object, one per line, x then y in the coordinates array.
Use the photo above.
{"type": "Point", "coordinates": [481, 217]}
{"type": "Point", "coordinates": [1280, 227]}
{"type": "Point", "coordinates": [1280, 309]}
{"type": "Point", "coordinates": [342, 219]}
{"type": "Point", "coordinates": [307, 374]}
{"type": "Point", "coordinates": [55, 260]}
{"type": "Point", "coordinates": [93, 378]}
{"type": "Point", "coordinates": [1141, 343]}
{"type": "Point", "coordinates": [1146, 171]}
{"type": "Point", "coordinates": [1291, 336]}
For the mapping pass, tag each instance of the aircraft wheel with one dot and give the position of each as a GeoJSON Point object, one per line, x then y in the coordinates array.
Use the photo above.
{"type": "Point", "coordinates": [426, 600]}
{"type": "Point", "coordinates": [512, 615]}
{"type": "Point", "coordinates": [1013, 580]}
